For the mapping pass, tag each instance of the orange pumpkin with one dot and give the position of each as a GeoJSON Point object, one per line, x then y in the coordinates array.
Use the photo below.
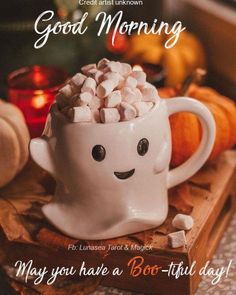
{"type": "Point", "coordinates": [187, 54]}
{"type": "Point", "coordinates": [186, 129]}
{"type": "Point", "coordinates": [207, 94]}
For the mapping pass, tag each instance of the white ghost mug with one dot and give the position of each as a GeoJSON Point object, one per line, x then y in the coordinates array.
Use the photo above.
{"type": "Point", "coordinates": [112, 179]}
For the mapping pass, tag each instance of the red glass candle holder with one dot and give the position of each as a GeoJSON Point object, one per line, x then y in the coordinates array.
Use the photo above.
{"type": "Point", "coordinates": [33, 90]}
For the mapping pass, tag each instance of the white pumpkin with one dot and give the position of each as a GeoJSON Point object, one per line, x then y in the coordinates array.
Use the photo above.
{"type": "Point", "coordinates": [14, 140]}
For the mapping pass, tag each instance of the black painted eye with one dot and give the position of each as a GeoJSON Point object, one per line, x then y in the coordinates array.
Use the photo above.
{"type": "Point", "coordinates": [142, 146]}
{"type": "Point", "coordinates": [98, 153]}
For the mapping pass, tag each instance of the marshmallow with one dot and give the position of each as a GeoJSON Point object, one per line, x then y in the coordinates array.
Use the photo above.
{"type": "Point", "coordinates": [61, 100]}
{"type": "Point", "coordinates": [182, 221]}
{"type": "Point", "coordinates": [130, 82]}
{"type": "Point", "coordinates": [96, 75]}
{"type": "Point", "coordinates": [66, 90]}
{"type": "Point", "coordinates": [77, 80]}
{"type": "Point", "coordinates": [111, 90]}
{"type": "Point", "coordinates": [114, 66]}
{"type": "Point", "coordinates": [121, 84]}
{"type": "Point", "coordinates": [95, 116]}
{"type": "Point", "coordinates": [142, 107]}
{"type": "Point", "coordinates": [103, 63]}
{"type": "Point", "coordinates": [113, 99]}
{"type": "Point", "coordinates": [109, 115]}
{"type": "Point", "coordinates": [85, 98]}
{"type": "Point", "coordinates": [138, 94]}
{"type": "Point", "coordinates": [150, 94]}
{"type": "Point", "coordinates": [116, 77]}
{"type": "Point", "coordinates": [177, 239]}
{"type": "Point", "coordinates": [128, 95]}
{"type": "Point", "coordinates": [96, 103]}
{"type": "Point", "coordinates": [74, 101]}
{"type": "Point", "coordinates": [140, 76]}
{"type": "Point", "coordinates": [119, 80]}
{"type": "Point", "coordinates": [126, 69]}
{"type": "Point", "coordinates": [80, 114]}
{"type": "Point", "coordinates": [105, 88]}
{"type": "Point", "coordinates": [87, 68]}
{"type": "Point", "coordinates": [127, 111]}
{"type": "Point", "coordinates": [89, 85]}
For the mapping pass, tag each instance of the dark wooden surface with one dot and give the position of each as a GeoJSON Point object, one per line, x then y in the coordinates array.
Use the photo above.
{"type": "Point", "coordinates": [213, 199]}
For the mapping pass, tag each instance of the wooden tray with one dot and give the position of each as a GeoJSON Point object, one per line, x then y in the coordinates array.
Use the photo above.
{"type": "Point", "coordinates": [213, 191]}
{"type": "Point", "coordinates": [212, 212]}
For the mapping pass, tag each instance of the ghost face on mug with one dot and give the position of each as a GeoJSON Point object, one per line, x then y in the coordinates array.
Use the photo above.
{"type": "Point", "coordinates": [117, 153]}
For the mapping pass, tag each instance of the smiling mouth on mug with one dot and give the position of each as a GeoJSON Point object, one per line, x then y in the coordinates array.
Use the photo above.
{"type": "Point", "coordinates": [124, 175]}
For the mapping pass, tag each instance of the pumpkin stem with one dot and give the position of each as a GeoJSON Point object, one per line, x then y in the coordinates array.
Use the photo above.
{"type": "Point", "coordinates": [196, 77]}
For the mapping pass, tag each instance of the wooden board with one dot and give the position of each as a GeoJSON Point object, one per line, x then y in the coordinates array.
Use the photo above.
{"type": "Point", "coordinates": [212, 212]}
{"type": "Point", "coordinates": [213, 195]}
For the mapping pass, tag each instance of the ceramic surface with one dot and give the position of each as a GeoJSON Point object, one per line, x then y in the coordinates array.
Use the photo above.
{"type": "Point", "coordinates": [125, 192]}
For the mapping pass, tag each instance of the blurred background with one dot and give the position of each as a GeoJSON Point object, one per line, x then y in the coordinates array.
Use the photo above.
{"type": "Point", "coordinates": [213, 23]}
{"type": "Point", "coordinates": [31, 77]}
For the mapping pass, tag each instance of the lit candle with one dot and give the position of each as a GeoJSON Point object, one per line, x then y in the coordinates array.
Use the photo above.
{"type": "Point", "coordinates": [33, 90]}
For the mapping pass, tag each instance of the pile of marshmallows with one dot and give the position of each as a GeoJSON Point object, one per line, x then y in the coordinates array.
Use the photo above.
{"type": "Point", "coordinates": [108, 92]}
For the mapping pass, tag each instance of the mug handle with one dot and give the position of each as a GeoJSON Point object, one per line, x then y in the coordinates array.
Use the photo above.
{"type": "Point", "coordinates": [196, 161]}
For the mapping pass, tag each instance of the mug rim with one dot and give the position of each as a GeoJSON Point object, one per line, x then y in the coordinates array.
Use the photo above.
{"type": "Point", "coordinates": [54, 109]}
